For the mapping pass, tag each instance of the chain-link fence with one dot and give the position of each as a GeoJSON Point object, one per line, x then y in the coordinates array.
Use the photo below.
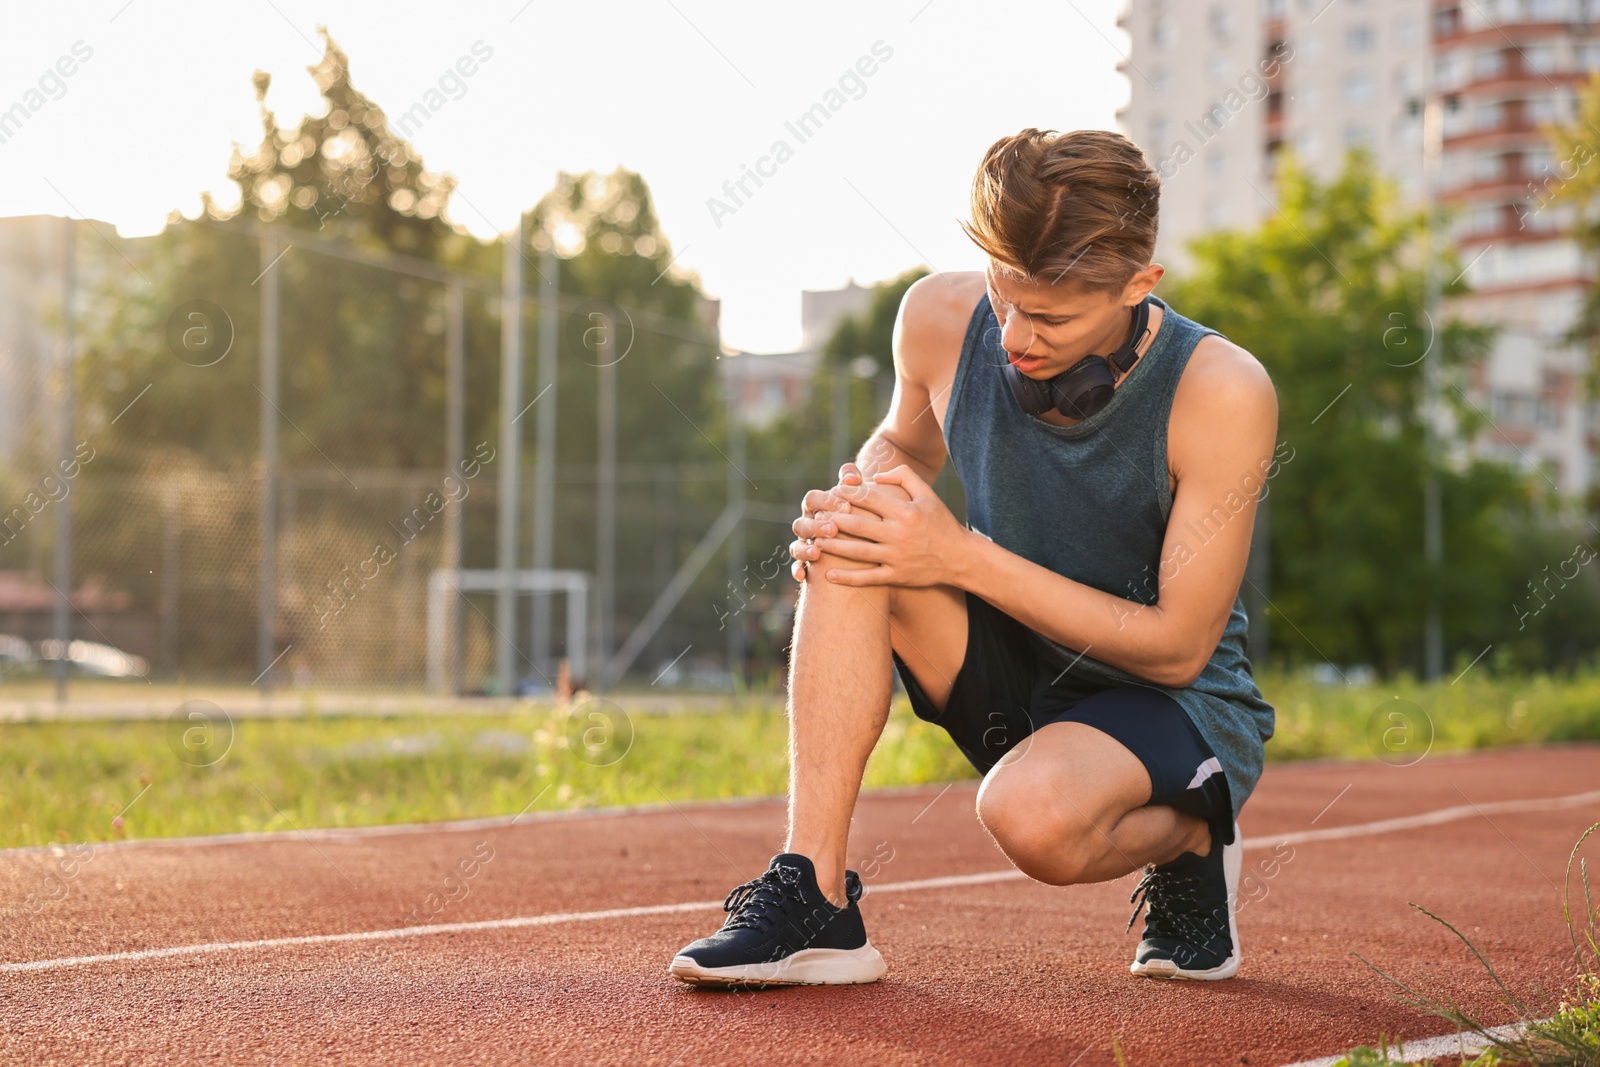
{"type": "Point", "coordinates": [272, 444]}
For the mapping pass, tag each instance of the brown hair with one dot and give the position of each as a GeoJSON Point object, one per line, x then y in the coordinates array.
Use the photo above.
{"type": "Point", "coordinates": [1079, 207]}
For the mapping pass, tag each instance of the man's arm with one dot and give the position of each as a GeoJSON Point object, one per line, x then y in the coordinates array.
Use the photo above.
{"type": "Point", "coordinates": [927, 345]}
{"type": "Point", "coordinates": [1220, 446]}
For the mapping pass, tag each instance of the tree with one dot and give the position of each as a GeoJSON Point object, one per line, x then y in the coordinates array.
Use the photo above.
{"type": "Point", "coordinates": [349, 334]}
{"type": "Point", "coordinates": [1326, 294]}
{"type": "Point", "coordinates": [1571, 187]}
{"type": "Point", "coordinates": [362, 377]}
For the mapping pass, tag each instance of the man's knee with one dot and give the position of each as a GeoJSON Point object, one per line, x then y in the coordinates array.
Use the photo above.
{"type": "Point", "coordinates": [1036, 824]}
{"type": "Point", "coordinates": [817, 569]}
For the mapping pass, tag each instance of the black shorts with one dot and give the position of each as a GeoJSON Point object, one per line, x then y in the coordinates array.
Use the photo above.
{"type": "Point", "coordinates": [1006, 689]}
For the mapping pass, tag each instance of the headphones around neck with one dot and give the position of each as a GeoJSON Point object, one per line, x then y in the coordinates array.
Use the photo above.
{"type": "Point", "coordinates": [1086, 386]}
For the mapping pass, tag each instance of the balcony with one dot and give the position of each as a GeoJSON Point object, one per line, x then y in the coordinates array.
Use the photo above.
{"type": "Point", "coordinates": [1511, 124]}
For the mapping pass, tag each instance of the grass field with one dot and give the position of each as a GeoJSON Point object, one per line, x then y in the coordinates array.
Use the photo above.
{"type": "Point", "coordinates": [93, 781]}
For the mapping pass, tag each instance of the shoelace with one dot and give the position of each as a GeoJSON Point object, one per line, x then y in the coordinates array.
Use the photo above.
{"type": "Point", "coordinates": [1161, 890]}
{"type": "Point", "coordinates": [760, 902]}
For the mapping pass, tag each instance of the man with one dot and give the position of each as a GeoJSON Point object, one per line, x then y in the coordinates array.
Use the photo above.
{"type": "Point", "coordinates": [1082, 639]}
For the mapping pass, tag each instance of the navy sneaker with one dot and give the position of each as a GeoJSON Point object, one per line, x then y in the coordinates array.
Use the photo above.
{"type": "Point", "coordinates": [781, 930]}
{"type": "Point", "coordinates": [1189, 924]}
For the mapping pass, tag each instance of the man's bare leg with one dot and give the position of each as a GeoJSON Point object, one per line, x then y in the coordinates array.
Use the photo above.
{"type": "Point", "coordinates": [1069, 804]}
{"type": "Point", "coordinates": [839, 690]}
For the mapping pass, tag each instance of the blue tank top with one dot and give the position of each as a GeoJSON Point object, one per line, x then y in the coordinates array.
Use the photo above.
{"type": "Point", "coordinates": [1090, 501]}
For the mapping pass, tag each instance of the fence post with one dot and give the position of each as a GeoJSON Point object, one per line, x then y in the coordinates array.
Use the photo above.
{"type": "Point", "coordinates": [455, 447]}
{"type": "Point", "coordinates": [63, 604]}
{"type": "Point", "coordinates": [666, 547]}
{"type": "Point", "coordinates": [267, 598]}
{"type": "Point", "coordinates": [841, 416]}
{"type": "Point", "coordinates": [606, 542]}
{"type": "Point", "coordinates": [510, 452]}
{"type": "Point", "coordinates": [736, 500]}
{"type": "Point", "coordinates": [170, 574]}
{"type": "Point", "coordinates": [544, 470]}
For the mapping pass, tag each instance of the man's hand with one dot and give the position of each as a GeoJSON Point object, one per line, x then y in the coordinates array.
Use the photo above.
{"type": "Point", "coordinates": [807, 527]}
{"type": "Point", "coordinates": [914, 542]}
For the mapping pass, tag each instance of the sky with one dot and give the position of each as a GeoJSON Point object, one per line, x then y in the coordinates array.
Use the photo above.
{"type": "Point", "coordinates": [688, 93]}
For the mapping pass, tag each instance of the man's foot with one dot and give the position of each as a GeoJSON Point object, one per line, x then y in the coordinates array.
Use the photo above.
{"type": "Point", "coordinates": [1189, 926]}
{"type": "Point", "coordinates": [781, 930]}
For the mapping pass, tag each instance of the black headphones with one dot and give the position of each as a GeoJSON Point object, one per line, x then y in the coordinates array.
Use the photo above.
{"type": "Point", "coordinates": [1086, 386]}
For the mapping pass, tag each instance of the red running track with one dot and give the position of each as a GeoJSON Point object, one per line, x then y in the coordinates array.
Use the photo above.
{"type": "Point", "coordinates": [149, 956]}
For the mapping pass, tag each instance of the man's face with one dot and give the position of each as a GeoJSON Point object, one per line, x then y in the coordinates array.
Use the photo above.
{"type": "Point", "coordinates": [1047, 328]}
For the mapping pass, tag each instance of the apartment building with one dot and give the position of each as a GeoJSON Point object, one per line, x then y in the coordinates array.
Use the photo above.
{"type": "Point", "coordinates": [1219, 88]}
{"type": "Point", "coordinates": [766, 384]}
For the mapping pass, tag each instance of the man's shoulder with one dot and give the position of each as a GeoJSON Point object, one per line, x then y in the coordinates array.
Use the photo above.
{"type": "Point", "coordinates": [1222, 384]}
{"type": "Point", "coordinates": [935, 313]}
{"type": "Point", "coordinates": [949, 295]}
{"type": "Point", "coordinates": [1220, 371]}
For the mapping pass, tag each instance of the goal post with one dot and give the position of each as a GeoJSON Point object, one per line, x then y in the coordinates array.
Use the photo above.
{"type": "Point", "coordinates": [445, 585]}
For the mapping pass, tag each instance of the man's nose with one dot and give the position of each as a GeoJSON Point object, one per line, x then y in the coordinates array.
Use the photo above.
{"type": "Point", "coordinates": [1016, 333]}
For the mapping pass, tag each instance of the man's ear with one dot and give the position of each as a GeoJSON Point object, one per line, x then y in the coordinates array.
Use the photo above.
{"type": "Point", "coordinates": [1140, 284]}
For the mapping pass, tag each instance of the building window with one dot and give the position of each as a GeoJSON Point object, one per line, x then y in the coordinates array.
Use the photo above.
{"type": "Point", "coordinates": [1216, 161]}
{"type": "Point", "coordinates": [1221, 22]}
{"type": "Point", "coordinates": [1216, 214]}
{"type": "Point", "coordinates": [1539, 59]}
{"type": "Point", "coordinates": [1357, 135]}
{"type": "Point", "coordinates": [1487, 65]}
{"type": "Point", "coordinates": [1405, 33]}
{"type": "Point", "coordinates": [1159, 79]}
{"type": "Point", "coordinates": [1485, 218]}
{"type": "Point", "coordinates": [1357, 87]}
{"type": "Point", "coordinates": [1537, 216]}
{"type": "Point", "coordinates": [1513, 408]}
{"type": "Point", "coordinates": [1164, 33]}
{"type": "Point", "coordinates": [1407, 134]}
{"type": "Point", "coordinates": [1359, 39]}
{"type": "Point", "coordinates": [1487, 116]}
{"type": "Point", "coordinates": [1552, 10]}
{"type": "Point", "coordinates": [1449, 72]}
{"type": "Point", "coordinates": [1219, 69]}
{"type": "Point", "coordinates": [1158, 133]}
{"type": "Point", "coordinates": [1537, 163]}
{"type": "Point", "coordinates": [1550, 108]}
{"type": "Point", "coordinates": [1486, 167]}
{"type": "Point", "coordinates": [1275, 9]}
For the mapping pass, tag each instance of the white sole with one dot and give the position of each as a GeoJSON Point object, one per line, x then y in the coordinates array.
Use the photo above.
{"type": "Point", "coordinates": [1232, 864]}
{"type": "Point", "coordinates": [809, 966]}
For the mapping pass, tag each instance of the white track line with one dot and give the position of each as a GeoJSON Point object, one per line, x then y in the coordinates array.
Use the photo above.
{"type": "Point", "coordinates": [363, 935]}
{"type": "Point", "coordinates": [1465, 1044]}
{"type": "Point", "coordinates": [1383, 826]}
{"type": "Point", "coordinates": [1429, 818]}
